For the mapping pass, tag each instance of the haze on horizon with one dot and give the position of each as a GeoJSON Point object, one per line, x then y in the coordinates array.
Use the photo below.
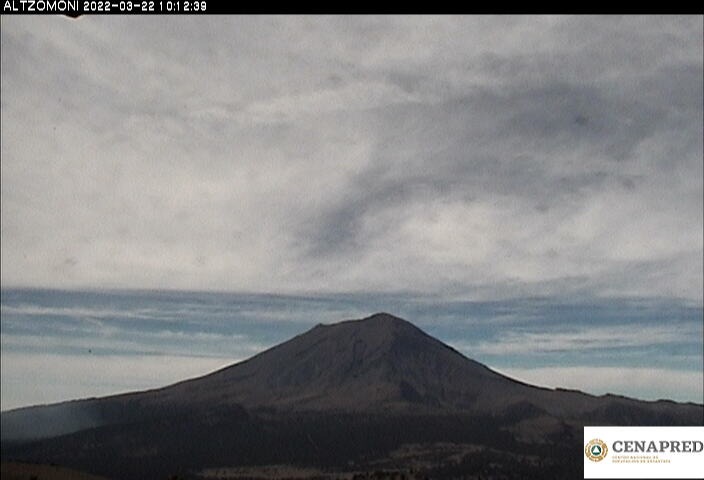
{"type": "Point", "coordinates": [456, 159]}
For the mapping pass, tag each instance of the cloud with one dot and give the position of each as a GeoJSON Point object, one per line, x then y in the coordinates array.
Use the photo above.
{"type": "Point", "coordinates": [481, 157]}
{"type": "Point", "coordinates": [77, 312]}
{"type": "Point", "coordinates": [586, 338]}
{"type": "Point", "coordinates": [31, 379]}
{"type": "Point", "coordinates": [643, 383]}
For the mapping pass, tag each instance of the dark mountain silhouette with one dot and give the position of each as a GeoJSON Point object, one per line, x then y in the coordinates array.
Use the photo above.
{"type": "Point", "coordinates": [357, 395]}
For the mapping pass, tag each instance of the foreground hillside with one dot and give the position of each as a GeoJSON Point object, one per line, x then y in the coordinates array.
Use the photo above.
{"type": "Point", "coordinates": [28, 471]}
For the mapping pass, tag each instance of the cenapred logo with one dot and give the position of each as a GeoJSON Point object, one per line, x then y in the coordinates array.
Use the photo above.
{"type": "Point", "coordinates": [596, 450]}
{"type": "Point", "coordinates": [643, 452]}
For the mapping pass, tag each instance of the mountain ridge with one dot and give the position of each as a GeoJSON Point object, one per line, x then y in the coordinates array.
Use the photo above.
{"type": "Point", "coordinates": [379, 363]}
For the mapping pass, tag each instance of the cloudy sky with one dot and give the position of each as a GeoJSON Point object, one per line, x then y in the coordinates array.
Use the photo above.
{"type": "Point", "coordinates": [443, 160]}
{"type": "Point", "coordinates": [474, 156]}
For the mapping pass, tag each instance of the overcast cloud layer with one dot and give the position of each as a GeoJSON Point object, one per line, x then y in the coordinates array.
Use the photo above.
{"type": "Point", "coordinates": [479, 157]}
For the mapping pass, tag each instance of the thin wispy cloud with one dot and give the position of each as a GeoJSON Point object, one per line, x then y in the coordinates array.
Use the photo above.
{"type": "Point", "coordinates": [645, 383]}
{"type": "Point", "coordinates": [37, 310]}
{"type": "Point", "coordinates": [584, 339]}
{"type": "Point", "coordinates": [139, 343]}
{"type": "Point", "coordinates": [58, 377]}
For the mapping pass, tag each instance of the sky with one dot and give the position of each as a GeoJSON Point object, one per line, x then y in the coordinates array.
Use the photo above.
{"type": "Point", "coordinates": [463, 159]}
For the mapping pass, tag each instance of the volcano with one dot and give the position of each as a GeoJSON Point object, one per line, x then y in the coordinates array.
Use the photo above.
{"type": "Point", "coordinates": [376, 394]}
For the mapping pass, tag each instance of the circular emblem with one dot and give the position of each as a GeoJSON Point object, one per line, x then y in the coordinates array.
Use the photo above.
{"type": "Point", "coordinates": [596, 450]}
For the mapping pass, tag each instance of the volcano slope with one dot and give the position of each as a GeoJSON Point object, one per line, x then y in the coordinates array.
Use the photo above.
{"type": "Point", "coordinates": [359, 396]}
